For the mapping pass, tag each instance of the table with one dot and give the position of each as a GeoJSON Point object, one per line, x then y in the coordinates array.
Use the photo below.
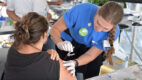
{"type": "Point", "coordinates": [61, 9]}
{"type": "Point", "coordinates": [7, 30]}
{"type": "Point", "coordinates": [132, 73]}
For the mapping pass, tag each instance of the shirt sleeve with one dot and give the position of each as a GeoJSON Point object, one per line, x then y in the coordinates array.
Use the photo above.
{"type": "Point", "coordinates": [41, 7]}
{"type": "Point", "coordinates": [70, 16]}
{"type": "Point", "coordinates": [10, 5]}
{"type": "Point", "coordinates": [53, 68]}
{"type": "Point", "coordinates": [66, 37]}
{"type": "Point", "coordinates": [100, 45]}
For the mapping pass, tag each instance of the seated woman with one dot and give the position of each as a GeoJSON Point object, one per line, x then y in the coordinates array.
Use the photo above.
{"type": "Point", "coordinates": [26, 60]}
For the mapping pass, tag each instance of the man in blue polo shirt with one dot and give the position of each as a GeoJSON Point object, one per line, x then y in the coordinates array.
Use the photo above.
{"type": "Point", "coordinates": [84, 33]}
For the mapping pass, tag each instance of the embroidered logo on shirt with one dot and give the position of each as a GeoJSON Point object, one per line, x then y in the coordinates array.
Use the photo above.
{"type": "Point", "coordinates": [89, 24]}
{"type": "Point", "coordinates": [94, 42]}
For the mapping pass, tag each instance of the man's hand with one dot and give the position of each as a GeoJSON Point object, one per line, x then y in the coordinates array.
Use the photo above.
{"type": "Point", "coordinates": [70, 66]}
{"type": "Point", "coordinates": [65, 45]}
{"type": "Point", "coordinates": [54, 54]}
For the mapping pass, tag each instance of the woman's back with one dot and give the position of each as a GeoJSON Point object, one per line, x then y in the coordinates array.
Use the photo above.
{"type": "Point", "coordinates": [37, 66]}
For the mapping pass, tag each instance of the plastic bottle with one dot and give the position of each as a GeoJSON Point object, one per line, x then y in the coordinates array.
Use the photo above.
{"type": "Point", "coordinates": [0, 24]}
{"type": "Point", "coordinates": [2, 21]}
{"type": "Point", "coordinates": [125, 62]}
{"type": "Point", "coordinates": [11, 22]}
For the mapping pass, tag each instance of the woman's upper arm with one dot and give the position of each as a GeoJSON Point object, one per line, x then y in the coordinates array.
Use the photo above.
{"type": "Point", "coordinates": [64, 74]}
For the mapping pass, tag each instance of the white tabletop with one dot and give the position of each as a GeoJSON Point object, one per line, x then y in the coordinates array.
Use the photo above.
{"type": "Point", "coordinates": [133, 72]}
{"type": "Point", "coordinates": [64, 6]}
{"type": "Point", "coordinates": [7, 30]}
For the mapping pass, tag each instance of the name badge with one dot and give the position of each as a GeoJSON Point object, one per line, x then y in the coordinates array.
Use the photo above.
{"type": "Point", "coordinates": [83, 32]}
{"type": "Point", "coordinates": [106, 45]}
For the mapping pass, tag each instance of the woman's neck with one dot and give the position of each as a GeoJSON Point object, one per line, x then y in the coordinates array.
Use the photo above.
{"type": "Point", "coordinates": [30, 49]}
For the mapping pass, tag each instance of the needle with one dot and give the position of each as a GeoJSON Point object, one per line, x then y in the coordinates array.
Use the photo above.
{"type": "Point", "coordinates": [70, 54]}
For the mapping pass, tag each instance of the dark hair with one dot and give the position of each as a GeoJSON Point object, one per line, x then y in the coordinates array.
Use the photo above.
{"type": "Point", "coordinates": [111, 11]}
{"type": "Point", "coordinates": [30, 29]}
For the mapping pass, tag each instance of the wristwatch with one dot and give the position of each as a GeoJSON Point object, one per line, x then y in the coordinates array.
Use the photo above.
{"type": "Point", "coordinates": [76, 63]}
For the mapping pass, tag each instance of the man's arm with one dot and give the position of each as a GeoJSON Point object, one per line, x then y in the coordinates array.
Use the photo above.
{"type": "Point", "coordinates": [57, 29]}
{"type": "Point", "coordinates": [89, 56]}
{"type": "Point", "coordinates": [12, 15]}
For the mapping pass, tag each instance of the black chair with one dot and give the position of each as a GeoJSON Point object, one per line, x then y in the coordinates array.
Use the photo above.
{"type": "Point", "coordinates": [123, 26]}
{"type": "Point", "coordinates": [132, 1]}
{"type": "Point", "coordinates": [2, 76]}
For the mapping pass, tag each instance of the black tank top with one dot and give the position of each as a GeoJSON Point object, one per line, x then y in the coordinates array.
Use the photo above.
{"type": "Point", "coordinates": [37, 66]}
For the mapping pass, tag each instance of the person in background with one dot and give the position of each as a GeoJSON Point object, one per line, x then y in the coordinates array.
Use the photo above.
{"type": "Point", "coordinates": [18, 8]}
{"type": "Point", "coordinates": [26, 60]}
{"type": "Point", "coordinates": [3, 3]}
{"type": "Point", "coordinates": [84, 33]}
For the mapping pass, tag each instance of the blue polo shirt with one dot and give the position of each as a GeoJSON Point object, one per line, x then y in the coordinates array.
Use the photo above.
{"type": "Point", "coordinates": [82, 16]}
